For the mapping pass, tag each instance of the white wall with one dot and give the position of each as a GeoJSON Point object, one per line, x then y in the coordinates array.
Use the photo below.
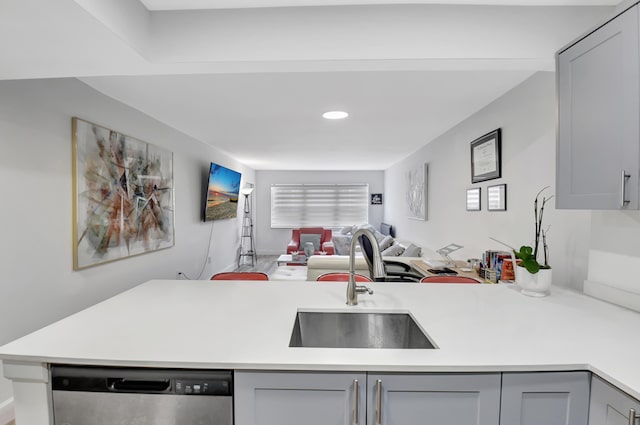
{"type": "Point", "coordinates": [38, 285]}
{"type": "Point", "coordinates": [274, 241]}
{"type": "Point", "coordinates": [527, 116]}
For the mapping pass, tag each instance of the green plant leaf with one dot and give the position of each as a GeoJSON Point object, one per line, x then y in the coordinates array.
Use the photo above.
{"type": "Point", "coordinates": [525, 252]}
{"type": "Point", "coordinates": [531, 265]}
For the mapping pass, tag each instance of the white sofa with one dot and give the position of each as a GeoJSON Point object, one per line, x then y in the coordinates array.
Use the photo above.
{"type": "Point", "coordinates": [321, 264]}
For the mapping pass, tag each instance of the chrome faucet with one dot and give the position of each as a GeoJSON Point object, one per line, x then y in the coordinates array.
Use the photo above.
{"type": "Point", "coordinates": [378, 268]}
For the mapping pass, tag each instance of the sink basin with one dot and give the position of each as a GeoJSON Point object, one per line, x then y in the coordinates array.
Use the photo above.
{"type": "Point", "coordinates": [357, 330]}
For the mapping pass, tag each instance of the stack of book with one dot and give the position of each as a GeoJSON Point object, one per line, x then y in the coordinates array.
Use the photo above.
{"type": "Point", "coordinates": [491, 269]}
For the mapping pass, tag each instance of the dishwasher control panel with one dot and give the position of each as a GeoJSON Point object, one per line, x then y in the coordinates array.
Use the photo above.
{"type": "Point", "coordinates": [139, 380]}
{"type": "Point", "coordinates": [201, 387]}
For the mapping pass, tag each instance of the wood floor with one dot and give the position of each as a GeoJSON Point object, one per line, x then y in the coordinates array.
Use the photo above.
{"type": "Point", "coordinates": [266, 264]}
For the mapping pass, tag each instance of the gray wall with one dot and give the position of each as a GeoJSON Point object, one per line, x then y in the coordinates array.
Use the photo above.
{"type": "Point", "coordinates": [527, 116]}
{"type": "Point", "coordinates": [274, 241]}
{"type": "Point", "coordinates": [38, 285]}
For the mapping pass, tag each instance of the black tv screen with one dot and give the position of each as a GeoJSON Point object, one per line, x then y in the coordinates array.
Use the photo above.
{"type": "Point", "coordinates": [223, 188]}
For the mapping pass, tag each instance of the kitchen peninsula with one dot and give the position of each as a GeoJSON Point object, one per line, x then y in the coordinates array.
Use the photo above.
{"type": "Point", "coordinates": [246, 326]}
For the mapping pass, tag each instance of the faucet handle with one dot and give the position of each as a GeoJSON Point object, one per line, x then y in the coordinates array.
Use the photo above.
{"type": "Point", "coordinates": [362, 289]}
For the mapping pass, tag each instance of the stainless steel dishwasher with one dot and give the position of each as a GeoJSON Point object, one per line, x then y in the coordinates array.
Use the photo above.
{"type": "Point", "coordinates": [140, 396]}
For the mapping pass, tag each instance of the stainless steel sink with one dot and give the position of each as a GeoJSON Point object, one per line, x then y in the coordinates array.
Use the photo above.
{"type": "Point", "coordinates": [357, 330]}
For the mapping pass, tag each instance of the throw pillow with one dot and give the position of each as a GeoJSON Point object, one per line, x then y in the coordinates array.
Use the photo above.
{"type": "Point", "coordinates": [342, 244]}
{"type": "Point", "coordinates": [314, 238]}
{"type": "Point", "coordinates": [379, 236]}
{"type": "Point", "coordinates": [385, 243]}
{"type": "Point", "coordinates": [412, 251]}
{"type": "Point", "coordinates": [346, 230]}
{"type": "Point", "coordinates": [393, 251]}
{"type": "Point", "coordinates": [364, 226]}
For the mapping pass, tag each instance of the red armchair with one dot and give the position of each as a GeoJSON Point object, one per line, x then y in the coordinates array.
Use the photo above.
{"type": "Point", "coordinates": [326, 244]}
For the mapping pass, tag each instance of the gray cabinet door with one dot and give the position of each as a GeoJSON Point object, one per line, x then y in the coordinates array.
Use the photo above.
{"type": "Point", "coordinates": [433, 399]}
{"type": "Point", "coordinates": [554, 398]}
{"type": "Point", "coordinates": [598, 125]}
{"type": "Point", "coordinates": [287, 398]}
{"type": "Point", "coordinates": [609, 406]}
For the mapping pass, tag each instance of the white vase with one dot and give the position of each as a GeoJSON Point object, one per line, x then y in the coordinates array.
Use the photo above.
{"type": "Point", "coordinates": [533, 285]}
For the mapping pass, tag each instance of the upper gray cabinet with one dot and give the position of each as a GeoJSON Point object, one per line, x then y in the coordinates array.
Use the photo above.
{"type": "Point", "coordinates": [598, 147]}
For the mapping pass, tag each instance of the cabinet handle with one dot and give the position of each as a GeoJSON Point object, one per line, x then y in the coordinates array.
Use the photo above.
{"type": "Point", "coordinates": [379, 401]}
{"type": "Point", "coordinates": [633, 416]}
{"type": "Point", "coordinates": [623, 199]}
{"type": "Point", "coordinates": [355, 401]}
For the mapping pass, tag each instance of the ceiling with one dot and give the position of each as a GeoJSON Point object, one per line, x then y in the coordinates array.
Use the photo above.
{"type": "Point", "coordinates": [252, 77]}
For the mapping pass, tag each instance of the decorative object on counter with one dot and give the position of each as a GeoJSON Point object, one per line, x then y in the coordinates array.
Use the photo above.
{"type": "Point", "coordinates": [490, 275]}
{"type": "Point", "coordinates": [417, 192]}
{"type": "Point", "coordinates": [122, 196]}
{"type": "Point", "coordinates": [492, 264]}
{"type": "Point", "coordinates": [507, 273]}
{"type": "Point", "coordinates": [474, 264]}
{"type": "Point", "coordinates": [473, 199]}
{"type": "Point", "coordinates": [446, 250]}
{"type": "Point", "coordinates": [497, 197]}
{"type": "Point", "coordinates": [486, 163]}
{"type": "Point", "coordinates": [376, 199]}
{"type": "Point", "coordinates": [534, 278]}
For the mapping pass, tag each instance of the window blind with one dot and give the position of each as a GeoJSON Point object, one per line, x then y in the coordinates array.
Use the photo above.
{"type": "Point", "coordinates": [322, 205]}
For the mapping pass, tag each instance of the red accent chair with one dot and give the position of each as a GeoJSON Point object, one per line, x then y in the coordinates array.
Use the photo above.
{"type": "Point", "coordinates": [240, 276]}
{"type": "Point", "coordinates": [326, 244]}
{"type": "Point", "coordinates": [448, 279]}
{"type": "Point", "coordinates": [341, 277]}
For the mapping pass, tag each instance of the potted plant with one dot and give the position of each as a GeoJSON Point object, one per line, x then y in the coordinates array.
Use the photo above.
{"type": "Point", "coordinates": [534, 278]}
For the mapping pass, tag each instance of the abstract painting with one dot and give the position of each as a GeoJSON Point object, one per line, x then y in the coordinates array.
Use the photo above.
{"type": "Point", "coordinates": [123, 196]}
{"type": "Point", "coordinates": [417, 192]}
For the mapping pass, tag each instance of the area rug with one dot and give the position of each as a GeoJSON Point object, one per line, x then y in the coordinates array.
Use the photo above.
{"type": "Point", "coordinates": [289, 273]}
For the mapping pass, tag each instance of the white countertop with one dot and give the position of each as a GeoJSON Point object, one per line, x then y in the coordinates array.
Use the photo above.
{"type": "Point", "coordinates": [247, 325]}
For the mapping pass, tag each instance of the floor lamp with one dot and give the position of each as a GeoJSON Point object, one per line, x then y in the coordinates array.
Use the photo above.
{"type": "Point", "coordinates": [247, 248]}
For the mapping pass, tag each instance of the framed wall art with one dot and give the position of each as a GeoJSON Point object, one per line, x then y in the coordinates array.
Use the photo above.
{"type": "Point", "coordinates": [473, 199]}
{"type": "Point", "coordinates": [417, 179]}
{"type": "Point", "coordinates": [486, 162]}
{"type": "Point", "coordinates": [122, 196]}
{"type": "Point", "coordinates": [376, 199]}
{"type": "Point", "coordinates": [497, 197]}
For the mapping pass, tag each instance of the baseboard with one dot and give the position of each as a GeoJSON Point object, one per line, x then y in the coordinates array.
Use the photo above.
{"type": "Point", "coordinates": [7, 413]}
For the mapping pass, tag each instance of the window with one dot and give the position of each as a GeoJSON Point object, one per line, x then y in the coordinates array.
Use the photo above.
{"type": "Point", "coordinates": [322, 205]}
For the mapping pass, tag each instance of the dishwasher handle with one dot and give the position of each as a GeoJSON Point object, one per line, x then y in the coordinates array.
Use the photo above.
{"type": "Point", "coordinates": [138, 385]}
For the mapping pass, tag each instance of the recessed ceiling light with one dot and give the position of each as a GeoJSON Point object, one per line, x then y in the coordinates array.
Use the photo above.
{"type": "Point", "coordinates": [335, 115]}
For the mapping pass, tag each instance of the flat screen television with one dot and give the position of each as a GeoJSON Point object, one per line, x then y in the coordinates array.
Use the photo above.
{"type": "Point", "coordinates": [223, 188]}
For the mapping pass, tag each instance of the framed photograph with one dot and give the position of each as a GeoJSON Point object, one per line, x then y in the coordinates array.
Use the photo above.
{"type": "Point", "coordinates": [122, 196]}
{"type": "Point", "coordinates": [376, 199]}
{"type": "Point", "coordinates": [473, 199]}
{"type": "Point", "coordinates": [486, 163]}
{"type": "Point", "coordinates": [417, 192]}
{"type": "Point", "coordinates": [497, 197]}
